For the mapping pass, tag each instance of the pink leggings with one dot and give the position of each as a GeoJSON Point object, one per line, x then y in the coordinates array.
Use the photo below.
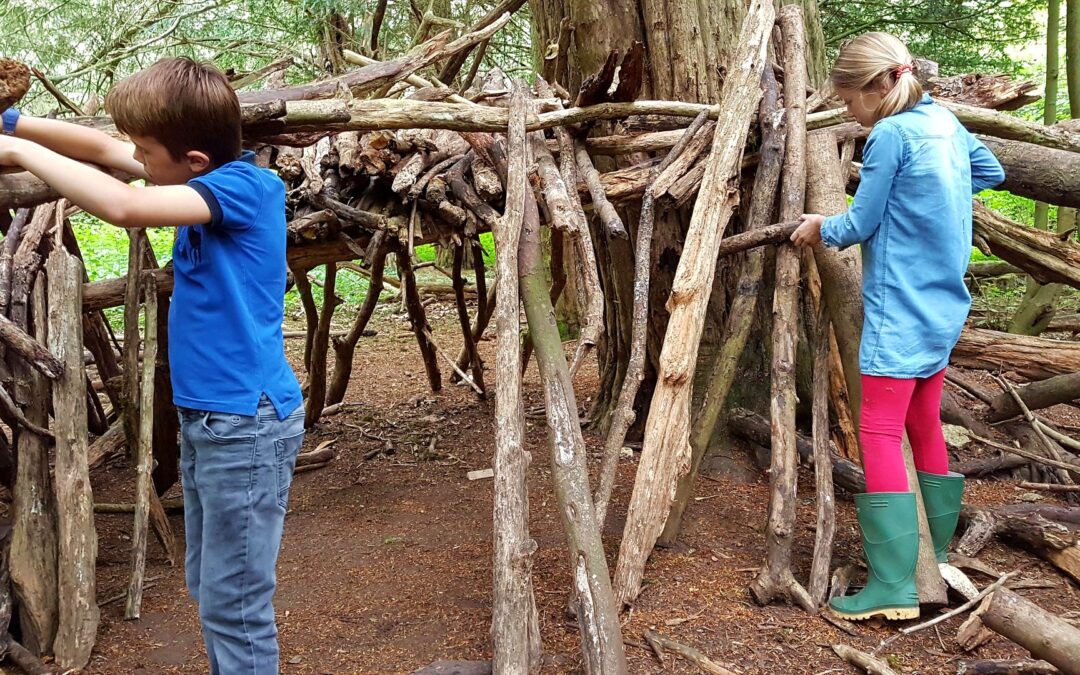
{"type": "Point", "coordinates": [889, 406]}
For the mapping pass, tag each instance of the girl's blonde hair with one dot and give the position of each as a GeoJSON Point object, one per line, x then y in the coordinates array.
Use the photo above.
{"type": "Point", "coordinates": [875, 58]}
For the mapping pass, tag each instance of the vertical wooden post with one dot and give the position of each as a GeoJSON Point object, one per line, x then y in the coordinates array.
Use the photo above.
{"type": "Point", "coordinates": [143, 454]}
{"type": "Point", "coordinates": [775, 580]}
{"type": "Point", "coordinates": [33, 545]}
{"type": "Point", "coordinates": [79, 612]}
{"type": "Point", "coordinates": [514, 624]}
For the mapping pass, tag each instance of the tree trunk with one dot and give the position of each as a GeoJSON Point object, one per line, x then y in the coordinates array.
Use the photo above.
{"type": "Point", "coordinates": [666, 448]}
{"type": "Point", "coordinates": [1037, 308]}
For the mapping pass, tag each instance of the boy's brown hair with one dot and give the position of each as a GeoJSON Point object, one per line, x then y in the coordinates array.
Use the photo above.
{"type": "Point", "coordinates": [182, 104]}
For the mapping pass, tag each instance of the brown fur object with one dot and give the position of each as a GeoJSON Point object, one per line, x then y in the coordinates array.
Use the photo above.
{"type": "Point", "coordinates": [14, 81]}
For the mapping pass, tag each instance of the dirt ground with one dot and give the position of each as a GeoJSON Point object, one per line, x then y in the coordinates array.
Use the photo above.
{"type": "Point", "coordinates": [386, 561]}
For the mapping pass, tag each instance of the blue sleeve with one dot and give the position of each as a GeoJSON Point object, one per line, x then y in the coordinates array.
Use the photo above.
{"type": "Point", "coordinates": [882, 157]}
{"type": "Point", "coordinates": [986, 171]}
{"type": "Point", "coordinates": [234, 196]}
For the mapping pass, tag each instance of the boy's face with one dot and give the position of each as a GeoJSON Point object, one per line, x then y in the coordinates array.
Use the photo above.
{"type": "Point", "coordinates": [162, 167]}
{"type": "Point", "coordinates": [861, 103]}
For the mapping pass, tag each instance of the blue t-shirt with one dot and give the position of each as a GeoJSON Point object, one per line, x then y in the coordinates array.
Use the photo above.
{"type": "Point", "coordinates": [912, 216]}
{"type": "Point", "coordinates": [225, 344]}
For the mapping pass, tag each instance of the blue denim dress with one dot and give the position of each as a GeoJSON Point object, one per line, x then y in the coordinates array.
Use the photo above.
{"type": "Point", "coordinates": [912, 217]}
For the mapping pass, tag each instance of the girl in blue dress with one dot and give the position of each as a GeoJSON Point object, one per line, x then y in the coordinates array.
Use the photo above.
{"type": "Point", "coordinates": [911, 217]}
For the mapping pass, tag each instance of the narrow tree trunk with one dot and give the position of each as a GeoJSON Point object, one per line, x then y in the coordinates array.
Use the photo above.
{"type": "Point", "coordinates": [463, 318]}
{"type": "Point", "coordinates": [418, 319]}
{"type": "Point", "coordinates": [143, 457]}
{"type": "Point", "coordinates": [345, 347]}
{"type": "Point", "coordinates": [316, 398]}
{"type": "Point", "coordinates": [75, 505]}
{"type": "Point", "coordinates": [666, 449]}
{"type": "Point", "coordinates": [514, 624]}
{"type": "Point", "coordinates": [598, 614]}
{"type": "Point", "coordinates": [775, 580]}
{"type": "Point", "coordinates": [624, 415]}
{"type": "Point", "coordinates": [1036, 310]}
{"type": "Point", "coordinates": [826, 496]}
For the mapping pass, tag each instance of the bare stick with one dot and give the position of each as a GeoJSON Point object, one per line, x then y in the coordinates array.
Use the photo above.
{"type": "Point", "coordinates": [143, 455]}
{"type": "Point", "coordinates": [687, 652]}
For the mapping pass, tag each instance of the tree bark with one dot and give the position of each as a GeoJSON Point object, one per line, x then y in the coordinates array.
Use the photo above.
{"type": "Point", "coordinates": [143, 457]}
{"type": "Point", "coordinates": [744, 305]}
{"type": "Point", "coordinates": [598, 614]}
{"type": "Point", "coordinates": [1037, 395]}
{"type": "Point", "coordinates": [514, 624]}
{"type": "Point", "coordinates": [1034, 358]}
{"type": "Point", "coordinates": [33, 544]}
{"type": "Point", "coordinates": [666, 449]}
{"type": "Point", "coordinates": [75, 505]}
{"type": "Point", "coordinates": [775, 579]}
{"type": "Point", "coordinates": [1043, 634]}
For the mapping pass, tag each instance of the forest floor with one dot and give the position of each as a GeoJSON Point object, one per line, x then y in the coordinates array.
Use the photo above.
{"type": "Point", "coordinates": [386, 562]}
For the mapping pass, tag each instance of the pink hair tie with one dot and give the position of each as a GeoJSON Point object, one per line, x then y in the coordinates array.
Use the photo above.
{"type": "Point", "coordinates": [900, 70]}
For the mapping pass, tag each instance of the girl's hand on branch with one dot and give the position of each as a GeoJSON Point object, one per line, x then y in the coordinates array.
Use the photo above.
{"type": "Point", "coordinates": [809, 231]}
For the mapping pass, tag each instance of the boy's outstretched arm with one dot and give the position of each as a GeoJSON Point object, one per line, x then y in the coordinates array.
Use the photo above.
{"type": "Point", "coordinates": [79, 142]}
{"type": "Point", "coordinates": [102, 195]}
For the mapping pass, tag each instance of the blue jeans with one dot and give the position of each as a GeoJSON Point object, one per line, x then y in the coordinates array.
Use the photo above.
{"type": "Point", "coordinates": [236, 471]}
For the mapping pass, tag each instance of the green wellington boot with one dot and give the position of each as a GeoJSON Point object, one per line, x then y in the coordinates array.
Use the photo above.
{"type": "Point", "coordinates": [890, 535]}
{"type": "Point", "coordinates": [941, 497]}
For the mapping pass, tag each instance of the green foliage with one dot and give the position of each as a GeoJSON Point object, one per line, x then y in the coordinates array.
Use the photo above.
{"type": "Point", "coordinates": [961, 35]}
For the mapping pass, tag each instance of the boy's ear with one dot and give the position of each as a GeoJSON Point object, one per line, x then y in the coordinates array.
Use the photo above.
{"type": "Point", "coordinates": [197, 161]}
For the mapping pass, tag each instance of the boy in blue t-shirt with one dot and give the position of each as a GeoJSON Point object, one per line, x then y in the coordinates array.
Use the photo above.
{"type": "Point", "coordinates": [241, 419]}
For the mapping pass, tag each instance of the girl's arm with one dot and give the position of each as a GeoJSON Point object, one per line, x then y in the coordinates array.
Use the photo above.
{"type": "Point", "coordinates": [882, 157]}
{"type": "Point", "coordinates": [986, 171]}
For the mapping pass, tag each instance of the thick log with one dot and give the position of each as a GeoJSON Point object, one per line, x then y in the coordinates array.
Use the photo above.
{"type": "Point", "coordinates": [79, 612]}
{"type": "Point", "coordinates": [775, 580]}
{"type": "Point", "coordinates": [1056, 542]}
{"type": "Point", "coordinates": [1040, 173]}
{"type": "Point", "coordinates": [1037, 395]}
{"type": "Point", "coordinates": [666, 449]}
{"type": "Point", "coordinates": [1045, 635]}
{"type": "Point", "coordinates": [33, 544]}
{"type": "Point", "coordinates": [1046, 256]}
{"type": "Point", "coordinates": [754, 428]}
{"type": "Point", "coordinates": [30, 349]}
{"type": "Point", "coordinates": [1034, 358]}
{"type": "Point", "coordinates": [514, 624]}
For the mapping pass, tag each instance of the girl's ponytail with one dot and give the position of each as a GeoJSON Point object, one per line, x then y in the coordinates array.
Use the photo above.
{"type": "Point", "coordinates": [875, 58]}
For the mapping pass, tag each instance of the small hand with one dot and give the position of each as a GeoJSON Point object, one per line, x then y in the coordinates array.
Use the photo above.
{"type": "Point", "coordinates": [809, 231]}
{"type": "Point", "coordinates": [9, 147]}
